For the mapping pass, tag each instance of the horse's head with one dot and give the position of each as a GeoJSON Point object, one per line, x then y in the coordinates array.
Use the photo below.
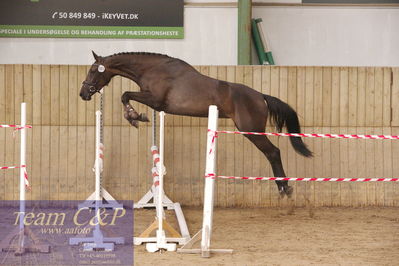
{"type": "Point", "coordinates": [96, 79]}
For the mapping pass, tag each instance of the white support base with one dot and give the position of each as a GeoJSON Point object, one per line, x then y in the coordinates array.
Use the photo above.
{"type": "Point", "coordinates": [185, 235]}
{"type": "Point", "coordinates": [205, 252]}
{"type": "Point", "coordinates": [107, 201]}
{"type": "Point", "coordinates": [161, 243]}
{"type": "Point", "coordinates": [23, 241]}
{"type": "Point", "coordinates": [97, 242]}
{"type": "Point", "coordinates": [141, 240]}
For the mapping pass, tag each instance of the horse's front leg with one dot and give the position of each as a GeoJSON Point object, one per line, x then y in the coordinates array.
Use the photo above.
{"type": "Point", "coordinates": [130, 113]}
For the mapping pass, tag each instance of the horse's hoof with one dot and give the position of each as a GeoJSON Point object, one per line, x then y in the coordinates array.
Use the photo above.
{"type": "Point", "coordinates": [143, 118]}
{"type": "Point", "coordinates": [289, 190]}
{"type": "Point", "coordinates": [281, 193]}
{"type": "Point", "coordinates": [129, 115]}
{"type": "Point", "coordinates": [134, 123]}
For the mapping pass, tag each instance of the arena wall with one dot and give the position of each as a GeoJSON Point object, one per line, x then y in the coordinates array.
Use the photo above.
{"type": "Point", "coordinates": [358, 100]}
{"type": "Point", "coordinates": [297, 34]}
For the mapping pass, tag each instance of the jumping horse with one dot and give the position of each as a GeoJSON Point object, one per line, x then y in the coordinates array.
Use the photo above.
{"type": "Point", "coordinates": [171, 85]}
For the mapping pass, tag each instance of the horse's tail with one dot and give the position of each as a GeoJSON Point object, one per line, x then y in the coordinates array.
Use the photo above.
{"type": "Point", "coordinates": [281, 114]}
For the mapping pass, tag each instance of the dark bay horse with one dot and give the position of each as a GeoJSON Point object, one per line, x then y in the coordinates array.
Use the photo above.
{"type": "Point", "coordinates": [171, 85]}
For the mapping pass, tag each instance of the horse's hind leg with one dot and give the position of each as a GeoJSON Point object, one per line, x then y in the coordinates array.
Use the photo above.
{"type": "Point", "coordinates": [255, 121]}
{"type": "Point", "coordinates": [272, 153]}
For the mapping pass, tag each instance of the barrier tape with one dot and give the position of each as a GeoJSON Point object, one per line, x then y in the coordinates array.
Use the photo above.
{"type": "Point", "coordinates": [214, 135]}
{"type": "Point", "coordinates": [16, 127]}
{"type": "Point", "coordinates": [102, 151]}
{"type": "Point", "coordinates": [11, 167]}
{"type": "Point", "coordinates": [15, 167]}
{"type": "Point", "coordinates": [156, 160]}
{"type": "Point", "coordinates": [213, 176]}
{"type": "Point", "coordinates": [100, 159]}
{"type": "Point", "coordinates": [155, 176]}
{"type": "Point", "coordinates": [154, 170]}
{"type": "Point", "coordinates": [27, 185]}
{"type": "Point", "coordinates": [310, 135]}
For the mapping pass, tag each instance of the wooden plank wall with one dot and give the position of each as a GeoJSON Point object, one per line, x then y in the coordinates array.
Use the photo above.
{"type": "Point", "coordinates": [359, 100]}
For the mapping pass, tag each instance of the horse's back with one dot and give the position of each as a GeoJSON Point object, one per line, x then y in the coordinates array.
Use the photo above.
{"type": "Point", "coordinates": [186, 91]}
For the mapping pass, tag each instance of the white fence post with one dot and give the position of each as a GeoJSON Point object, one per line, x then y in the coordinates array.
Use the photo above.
{"type": "Point", "coordinates": [98, 161]}
{"type": "Point", "coordinates": [100, 194]}
{"type": "Point", "coordinates": [210, 171]}
{"type": "Point", "coordinates": [159, 200]}
{"type": "Point", "coordinates": [161, 238]}
{"type": "Point", "coordinates": [209, 193]}
{"type": "Point", "coordinates": [22, 169]}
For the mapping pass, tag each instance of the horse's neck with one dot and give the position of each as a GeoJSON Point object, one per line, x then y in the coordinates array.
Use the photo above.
{"type": "Point", "coordinates": [134, 68]}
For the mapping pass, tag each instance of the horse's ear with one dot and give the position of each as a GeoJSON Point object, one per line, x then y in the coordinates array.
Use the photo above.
{"type": "Point", "coordinates": [95, 55]}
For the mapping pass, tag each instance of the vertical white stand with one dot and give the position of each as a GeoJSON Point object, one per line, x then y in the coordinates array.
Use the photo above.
{"type": "Point", "coordinates": [22, 155]}
{"type": "Point", "coordinates": [209, 190]}
{"type": "Point", "coordinates": [159, 201]}
{"type": "Point", "coordinates": [97, 241]}
{"type": "Point", "coordinates": [149, 200]}
{"type": "Point", "coordinates": [105, 198]}
{"type": "Point", "coordinates": [25, 241]}
{"type": "Point", "coordinates": [161, 237]}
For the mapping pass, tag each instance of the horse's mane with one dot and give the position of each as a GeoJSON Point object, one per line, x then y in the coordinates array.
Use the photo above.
{"type": "Point", "coordinates": [138, 53]}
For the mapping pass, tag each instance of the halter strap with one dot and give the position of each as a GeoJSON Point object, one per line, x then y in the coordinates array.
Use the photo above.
{"type": "Point", "coordinates": [92, 87]}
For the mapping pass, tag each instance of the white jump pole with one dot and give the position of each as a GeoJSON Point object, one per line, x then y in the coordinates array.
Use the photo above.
{"type": "Point", "coordinates": [100, 192]}
{"type": "Point", "coordinates": [209, 193]}
{"type": "Point", "coordinates": [160, 212]}
{"type": "Point", "coordinates": [22, 197]}
{"type": "Point", "coordinates": [209, 190]}
{"type": "Point", "coordinates": [97, 241]}
{"type": "Point", "coordinates": [161, 242]}
{"type": "Point", "coordinates": [166, 236]}
{"type": "Point", "coordinates": [98, 161]}
{"type": "Point", "coordinates": [26, 239]}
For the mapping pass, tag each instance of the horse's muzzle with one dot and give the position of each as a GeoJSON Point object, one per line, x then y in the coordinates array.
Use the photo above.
{"type": "Point", "coordinates": [85, 97]}
{"type": "Point", "coordinates": [85, 94]}
{"type": "Point", "coordinates": [87, 91]}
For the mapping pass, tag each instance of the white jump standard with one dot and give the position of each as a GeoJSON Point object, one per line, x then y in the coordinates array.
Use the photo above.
{"type": "Point", "coordinates": [96, 201]}
{"type": "Point", "coordinates": [156, 198]}
{"type": "Point", "coordinates": [106, 199]}
{"type": "Point", "coordinates": [209, 194]}
{"type": "Point", "coordinates": [22, 239]}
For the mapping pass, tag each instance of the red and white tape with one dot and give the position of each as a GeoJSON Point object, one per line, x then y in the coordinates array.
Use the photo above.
{"type": "Point", "coordinates": [26, 179]}
{"type": "Point", "coordinates": [101, 151]}
{"type": "Point", "coordinates": [306, 179]}
{"type": "Point", "coordinates": [311, 135]}
{"type": "Point", "coordinates": [101, 155]}
{"type": "Point", "coordinates": [15, 167]}
{"type": "Point", "coordinates": [11, 167]}
{"type": "Point", "coordinates": [214, 134]}
{"type": "Point", "coordinates": [16, 127]}
{"type": "Point", "coordinates": [155, 155]}
{"type": "Point", "coordinates": [154, 170]}
{"type": "Point", "coordinates": [100, 159]}
{"type": "Point", "coordinates": [155, 176]}
{"type": "Point", "coordinates": [156, 159]}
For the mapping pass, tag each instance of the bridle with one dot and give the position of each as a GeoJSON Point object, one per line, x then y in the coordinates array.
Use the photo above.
{"type": "Point", "coordinates": [92, 87]}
